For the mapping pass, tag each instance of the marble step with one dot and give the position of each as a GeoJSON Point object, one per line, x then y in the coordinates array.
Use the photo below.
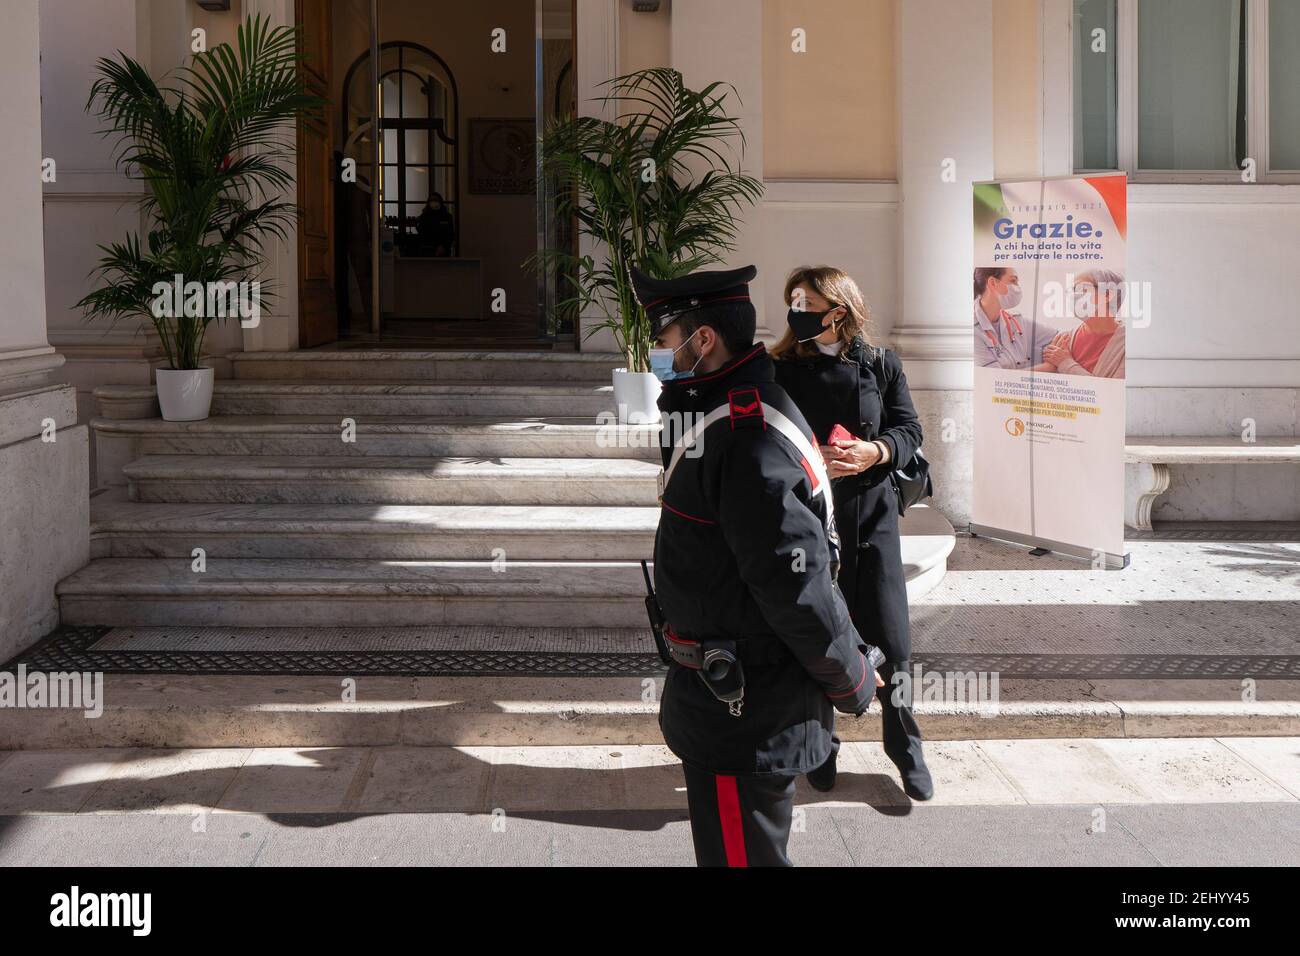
{"type": "Point", "coordinates": [926, 539]}
{"type": "Point", "coordinates": [169, 711]}
{"type": "Point", "coordinates": [384, 365]}
{"type": "Point", "coordinates": [120, 441]}
{"type": "Point", "coordinates": [353, 593]}
{"type": "Point", "coordinates": [126, 529]}
{"type": "Point", "coordinates": [308, 581]}
{"type": "Point", "coordinates": [523, 399]}
{"type": "Point", "coordinates": [388, 480]}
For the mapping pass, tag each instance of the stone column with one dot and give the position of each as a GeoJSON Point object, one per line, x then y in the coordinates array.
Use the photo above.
{"type": "Point", "coordinates": [945, 125]}
{"type": "Point", "coordinates": [716, 40]}
{"type": "Point", "coordinates": [277, 329]}
{"type": "Point", "coordinates": [44, 515]}
{"type": "Point", "coordinates": [596, 48]}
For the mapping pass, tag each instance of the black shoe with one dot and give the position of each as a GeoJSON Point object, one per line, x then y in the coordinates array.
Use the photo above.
{"type": "Point", "coordinates": [917, 783]}
{"type": "Point", "coordinates": [823, 778]}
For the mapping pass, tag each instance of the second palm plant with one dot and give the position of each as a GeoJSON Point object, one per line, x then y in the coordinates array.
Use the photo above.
{"type": "Point", "coordinates": [657, 187]}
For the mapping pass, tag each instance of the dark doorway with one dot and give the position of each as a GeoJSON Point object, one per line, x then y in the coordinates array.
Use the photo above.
{"type": "Point", "coordinates": [435, 117]}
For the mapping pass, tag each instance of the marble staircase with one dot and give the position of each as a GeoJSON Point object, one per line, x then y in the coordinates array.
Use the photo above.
{"type": "Point", "coordinates": [363, 488]}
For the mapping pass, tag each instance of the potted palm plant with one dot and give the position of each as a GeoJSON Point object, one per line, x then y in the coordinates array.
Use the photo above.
{"type": "Point", "coordinates": [209, 143]}
{"type": "Point", "coordinates": [659, 188]}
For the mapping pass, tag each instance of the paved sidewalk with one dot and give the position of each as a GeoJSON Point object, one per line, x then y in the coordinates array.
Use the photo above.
{"type": "Point", "coordinates": [1117, 801]}
{"type": "Point", "coordinates": [1246, 835]}
{"type": "Point", "coordinates": [1177, 598]}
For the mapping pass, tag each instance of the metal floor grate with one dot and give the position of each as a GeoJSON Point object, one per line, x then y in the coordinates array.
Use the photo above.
{"type": "Point", "coordinates": [1211, 534]}
{"type": "Point", "coordinates": [1119, 666]}
{"type": "Point", "coordinates": [73, 648]}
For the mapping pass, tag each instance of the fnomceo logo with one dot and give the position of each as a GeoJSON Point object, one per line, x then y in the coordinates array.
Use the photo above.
{"type": "Point", "coordinates": [103, 909]}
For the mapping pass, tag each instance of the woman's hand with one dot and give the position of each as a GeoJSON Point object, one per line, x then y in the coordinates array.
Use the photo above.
{"type": "Point", "coordinates": [1056, 355]}
{"type": "Point", "coordinates": [849, 457]}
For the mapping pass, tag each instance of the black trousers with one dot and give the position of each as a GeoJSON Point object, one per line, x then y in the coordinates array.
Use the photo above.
{"type": "Point", "coordinates": [739, 820]}
{"type": "Point", "coordinates": [898, 728]}
{"type": "Point", "coordinates": [876, 592]}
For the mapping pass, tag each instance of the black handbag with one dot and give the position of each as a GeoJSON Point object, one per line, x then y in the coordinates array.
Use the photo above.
{"type": "Point", "coordinates": [912, 482]}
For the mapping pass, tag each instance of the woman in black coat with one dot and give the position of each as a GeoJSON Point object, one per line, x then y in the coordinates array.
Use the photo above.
{"type": "Point", "coordinates": [836, 378]}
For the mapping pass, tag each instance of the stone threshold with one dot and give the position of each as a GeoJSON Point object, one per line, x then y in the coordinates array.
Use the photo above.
{"type": "Point", "coordinates": [168, 711]}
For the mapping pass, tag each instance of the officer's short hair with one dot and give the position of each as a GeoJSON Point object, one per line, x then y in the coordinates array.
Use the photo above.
{"type": "Point", "coordinates": [735, 324]}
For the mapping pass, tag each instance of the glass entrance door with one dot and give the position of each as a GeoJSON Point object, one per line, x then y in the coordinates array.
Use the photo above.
{"type": "Point", "coordinates": [439, 111]}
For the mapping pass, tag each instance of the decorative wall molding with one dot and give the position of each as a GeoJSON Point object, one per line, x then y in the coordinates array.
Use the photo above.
{"type": "Point", "coordinates": [91, 182]}
{"type": "Point", "coordinates": [28, 368]}
{"type": "Point", "coordinates": [1213, 372]}
{"type": "Point", "coordinates": [1179, 194]}
{"type": "Point", "coordinates": [812, 192]}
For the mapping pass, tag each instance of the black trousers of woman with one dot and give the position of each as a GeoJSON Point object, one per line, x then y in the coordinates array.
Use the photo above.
{"type": "Point", "coordinates": [875, 589]}
{"type": "Point", "coordinates": [868, 395]}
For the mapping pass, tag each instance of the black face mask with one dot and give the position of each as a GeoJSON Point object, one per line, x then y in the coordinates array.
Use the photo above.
{"type": "Point", "coordinates": [807, 325]}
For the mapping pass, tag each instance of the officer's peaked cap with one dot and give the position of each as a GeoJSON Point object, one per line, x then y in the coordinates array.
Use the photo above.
{"type": "Point", "coordinates": [718, 295]}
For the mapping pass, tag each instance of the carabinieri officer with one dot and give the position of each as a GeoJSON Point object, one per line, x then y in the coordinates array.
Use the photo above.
{"type": "Point", "coordinates": [763, 648]}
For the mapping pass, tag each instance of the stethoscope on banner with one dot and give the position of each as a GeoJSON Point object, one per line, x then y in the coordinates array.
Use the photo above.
{"type": "Point", "coordinates": [1013, 330]}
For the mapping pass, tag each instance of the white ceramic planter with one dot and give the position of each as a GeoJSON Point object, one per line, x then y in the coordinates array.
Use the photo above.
{"type": "Point", "coordinates": [184, 395]}
{"type": "Point", "coordinates": [636, 394]}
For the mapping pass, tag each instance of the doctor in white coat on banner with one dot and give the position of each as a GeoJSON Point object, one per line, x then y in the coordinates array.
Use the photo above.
{"type": "Point", "coordinates": [1003, 339]}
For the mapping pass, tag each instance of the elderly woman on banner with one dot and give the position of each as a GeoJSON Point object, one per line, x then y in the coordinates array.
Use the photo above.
{"type": "Point", "coordinates": [1096, 345]}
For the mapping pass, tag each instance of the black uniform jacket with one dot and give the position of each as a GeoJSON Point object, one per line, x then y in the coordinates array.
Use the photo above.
{"type": "Point", "coordinates": [868, 395]}
{"type": "Point", "coordinates": [743, 551]}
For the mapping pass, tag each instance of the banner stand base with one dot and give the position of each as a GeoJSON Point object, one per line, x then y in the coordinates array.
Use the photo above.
{"type": "Point", "coordinates": [1043, 546]}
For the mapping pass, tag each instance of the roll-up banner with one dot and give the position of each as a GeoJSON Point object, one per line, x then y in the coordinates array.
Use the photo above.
{"type": "Point", "coordinates": [1049, 300]}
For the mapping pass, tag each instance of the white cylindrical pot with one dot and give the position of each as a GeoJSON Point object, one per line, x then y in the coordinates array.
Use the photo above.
{"type": "Point", "coordinates": [636, 395]}
{"type": "Point", "coordinates": [184, 395]}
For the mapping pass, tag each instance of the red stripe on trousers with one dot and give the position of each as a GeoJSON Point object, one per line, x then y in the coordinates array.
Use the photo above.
{"type": "Point", "coordinates": [733, 833]}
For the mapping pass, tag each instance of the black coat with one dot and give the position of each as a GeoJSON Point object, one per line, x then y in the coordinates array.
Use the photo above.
{"type": "Point", "coordinates": [867, 395]}
{"type": "Point", "coordinates": [726, 565]}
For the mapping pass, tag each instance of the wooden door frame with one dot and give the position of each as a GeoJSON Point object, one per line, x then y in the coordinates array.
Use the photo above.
{"type": "Point", "coordinates": [319, 83]}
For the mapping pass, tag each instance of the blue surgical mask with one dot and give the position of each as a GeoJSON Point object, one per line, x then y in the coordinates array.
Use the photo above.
{"type": "Point", "coordinates": [661, 362]}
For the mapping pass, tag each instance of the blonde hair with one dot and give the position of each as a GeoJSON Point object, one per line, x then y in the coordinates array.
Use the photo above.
{"type": "Point", "coordinates": [837, 288]}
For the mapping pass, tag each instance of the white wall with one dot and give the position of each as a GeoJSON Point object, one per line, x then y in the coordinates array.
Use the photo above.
{"type": "Point", "coordinates": [850, 225]}
{"type": "Point", "coordinates": [1222, 265]}
{"type": "Point", "coordinates": [719, 40]}
{"type": "Point", "coordinates": [92, 202]}
{"type": "Point", "coordinates": [1222, 350]}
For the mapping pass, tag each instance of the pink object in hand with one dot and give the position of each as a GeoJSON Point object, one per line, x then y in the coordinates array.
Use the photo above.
{"type": "Point", "coordinates": [839, 433]}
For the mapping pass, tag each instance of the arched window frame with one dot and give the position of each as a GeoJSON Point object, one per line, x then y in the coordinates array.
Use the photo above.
{"type": "Point", "coordinates": [434, 127]}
